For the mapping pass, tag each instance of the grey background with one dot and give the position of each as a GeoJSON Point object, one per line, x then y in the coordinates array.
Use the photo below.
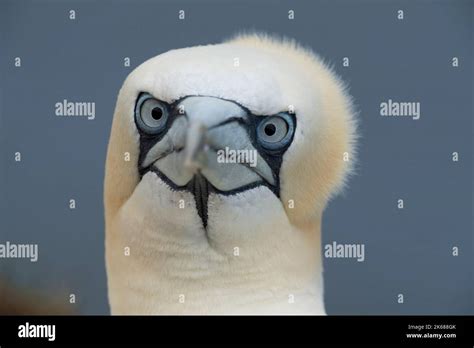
{"type": "Point", "coordinates": [407, 251]}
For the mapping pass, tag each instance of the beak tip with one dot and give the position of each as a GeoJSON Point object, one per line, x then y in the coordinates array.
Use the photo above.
{"type": "Point", "coordinates": [190, 165]}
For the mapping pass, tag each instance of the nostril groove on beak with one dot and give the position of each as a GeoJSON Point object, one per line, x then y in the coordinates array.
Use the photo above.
{"type": "Point", "coordinates": [237, 119]}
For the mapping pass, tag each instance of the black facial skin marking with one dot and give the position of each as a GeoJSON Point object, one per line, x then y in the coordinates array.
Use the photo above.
{"type": "Point", "coordinates": [199, 186]}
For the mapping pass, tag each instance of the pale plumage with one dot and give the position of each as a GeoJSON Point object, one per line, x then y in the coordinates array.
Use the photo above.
{"type": "Point", "coordinates": [237, 239]}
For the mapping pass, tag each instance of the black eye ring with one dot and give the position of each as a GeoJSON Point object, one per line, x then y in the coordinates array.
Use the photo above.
{"type": "Point", "coordinates": [276, 131]}
{"type": "Point", "coordinates": [151, 115]}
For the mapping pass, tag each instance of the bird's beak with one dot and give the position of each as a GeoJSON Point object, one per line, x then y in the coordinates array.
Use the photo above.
{"type": "Point", "coordinates": [209, 148]}
{"type": "Point", "coordinates": [210, 139]}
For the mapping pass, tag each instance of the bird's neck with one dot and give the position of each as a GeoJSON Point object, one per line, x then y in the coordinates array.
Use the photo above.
{"type": "Point", "coordinates": [198, 279]}
{"type": "Point", "coordinates": [250, 261]}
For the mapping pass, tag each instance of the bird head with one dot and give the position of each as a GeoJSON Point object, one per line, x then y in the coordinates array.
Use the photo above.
{"type": "Point", "coordinates": [218, 147]}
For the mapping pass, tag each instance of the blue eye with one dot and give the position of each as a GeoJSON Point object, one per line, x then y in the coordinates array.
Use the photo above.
{"type": "Point", "coordinates": [151, 114]}
{"type": "Point", "coordinates": [275, 132]}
